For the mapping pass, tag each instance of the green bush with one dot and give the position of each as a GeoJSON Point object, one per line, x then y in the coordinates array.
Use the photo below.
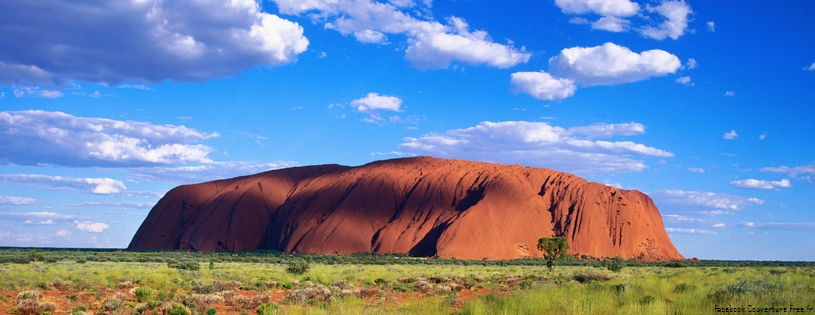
{"type": "Point", "coordinates": [177, 309]}
{"type": "Point", "coordinates": [211, 311]}
{"type": "Point", "coordinates": [297, 266]}
{"type": "Point", "coordinates": [268, 309]}
{"type": "Point", "coordinates": [143, 293]}
{"type": "Point", "coordinates": [185, 265]}
{"type": "Point", "coordinates": [615, 264]}
{"type": "Point", "coordinates": [79, 310]}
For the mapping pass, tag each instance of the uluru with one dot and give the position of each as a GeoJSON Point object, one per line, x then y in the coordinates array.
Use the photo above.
{"type": "Point", "coordinates": [422, 206]}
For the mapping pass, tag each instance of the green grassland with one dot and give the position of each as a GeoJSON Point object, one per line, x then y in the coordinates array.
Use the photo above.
{"type": "Point", "coordinates": [120, 282]}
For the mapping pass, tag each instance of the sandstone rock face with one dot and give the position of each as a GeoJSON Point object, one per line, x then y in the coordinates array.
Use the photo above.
{"type": "Point", "coordinates": [422, 206]}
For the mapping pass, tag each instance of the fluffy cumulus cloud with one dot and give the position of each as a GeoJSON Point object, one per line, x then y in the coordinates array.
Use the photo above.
{"type": "Point", "coordinates": [761, 184]}
{"type": "Point", "coordinates": [543, 145]}
{"type": "Point", "coordinates": [102, 186]}
{"type": "Point", "coordinates": [807, 169]}
{"type": "Point", "coordinates": [607, 64]}
{"type": "Point", "coordinates": [611, 64]}
{"type": "Point", "coordinates": [669, 19]}
{"type": "Point", "coordinates": [701, 202]}
{"type": "Point", "coordinates": [147, 40]}
{"type": "Point", "coordinates": [40, 137]}
{"type": "Point", "coordinates": [88, 226]}
{"type": "Point", "coordinates": [611, 24]}
{"type": "Point", "coordinates": [675, 20]}
{"type": "Point", "coordinates": [373, 103]}
{"type": "Point", "coordinates": [730, 135]}
{"type": "Point", "coordinates": [601, 7]}
{"type": "Point", "coordinates": [684, 80]}
{"type": "Point", "coordinates": [542, 85]}
{"type": "Point", "coordinates": [430, 44]}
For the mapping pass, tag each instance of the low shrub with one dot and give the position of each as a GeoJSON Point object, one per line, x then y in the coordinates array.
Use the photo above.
{"type": "Point", "coordinates": [297, 266]}
{"type": "Point", "coordinates": [143, 294]}
{"type": "Point", "coordinates": [267, 309]}
{"type": "Point", "coordinates": [177, 309]}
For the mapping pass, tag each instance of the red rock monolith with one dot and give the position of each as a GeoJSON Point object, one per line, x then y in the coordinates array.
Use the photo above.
{"type": "Point", "coordinates": [421, 206]}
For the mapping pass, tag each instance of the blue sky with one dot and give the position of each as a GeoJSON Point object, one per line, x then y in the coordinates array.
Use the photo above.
{"type": "Point", "coordinates": [706, 106]}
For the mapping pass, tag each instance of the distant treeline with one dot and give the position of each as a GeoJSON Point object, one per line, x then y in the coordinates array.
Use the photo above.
{"type": "Point", "coordinates": [20, 255]}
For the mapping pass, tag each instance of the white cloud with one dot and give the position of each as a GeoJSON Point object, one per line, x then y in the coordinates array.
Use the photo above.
{"type": "Point", "coordinates": [778, 225]}
{"type": "Point", "coordinates": [611, 64]}
{"type": "Point", "coordinates": [601, 7]}
{"type": "Point", "coordinates": [112, 205]}
{"type": "Point", "coordinates": [676, 20]}
{"type": "Point", "coordinates": [542, 85]}
{"type": "Point", "coordinates": [696, 170]}
{"type": "Point", "coordinates": [96, 41]}
{"type": "Point", "coordinates": [206, 172]}
{"type": "Point", "coordinates": [729, 93]}
{"type": "Point", "coordinates": [608, 64]}
{"type": "Point", "coordinates": [687, 221]}
{"type": "Point", "coordinates": [40, 137]}
{"type": "Point", "coordinates": [25, 238]}
{"type": "Point", "coordinates": [689, 231]}
{"type": "Point", "coordinates": [103, 186]}
{"type": "Point", "coordinates": [685, 81]}
{"type": "Point", "coordinates": [36, 218]}
{"type": "Point", "coordinates": [672, 14]}
{"type": "Point", "coordinates": [762, 136]}
{"type": "Point", "coordinates": [35, 92]}
{"type": "Point", "coordinates": [730, 135]}
{"type": "Point", "coordinates": [430, 43]}
{"type": "Point", "coordinates": [808, 169]}
{"type": "Point", "coordinates": [88, 226]}
{"type": "Point", "coordinates": [135, 86]}
{"type": "Point", "coordinates": [403, 3]}
{"type": "Point", "coordinates": [17, 201]}
{"type": "Point", "coordinates": [540, 144]}
{"type": "Point", "coordinates": [611, 24]}
{"type": "Point", "coordinates": [811, 67]}
{"type": "Point", "coordinates": [370, 36]}
{"type": "Point", "coordinates": [46, 222]}
{"type": "Point", "coordinates": [63, 233]}
{"type": "Point", "coordinates": [711, 26]}
{"type": "Point", "coordinates": [372, 103]}
{"type": "Point", "coordinates": [439, 48]}
{"type": "Point", "coordinates": [39, 215]}
{"type": "Point", "coordinates": [760, 184]}
{"type": "Point", "coordinates": [607, 130]}
{"type": "Point", "coordinates": [691, 64]}
{"type": "Point", "coordinates": [701, 202]}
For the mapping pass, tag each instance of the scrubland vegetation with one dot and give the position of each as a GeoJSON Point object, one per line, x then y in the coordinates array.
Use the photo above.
{"type": "Point", "coordinates": [116, 282]}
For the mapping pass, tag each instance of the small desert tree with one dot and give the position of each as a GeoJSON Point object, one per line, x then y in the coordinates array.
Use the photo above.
{"type": "Point", "coordinates": [553, 248]}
